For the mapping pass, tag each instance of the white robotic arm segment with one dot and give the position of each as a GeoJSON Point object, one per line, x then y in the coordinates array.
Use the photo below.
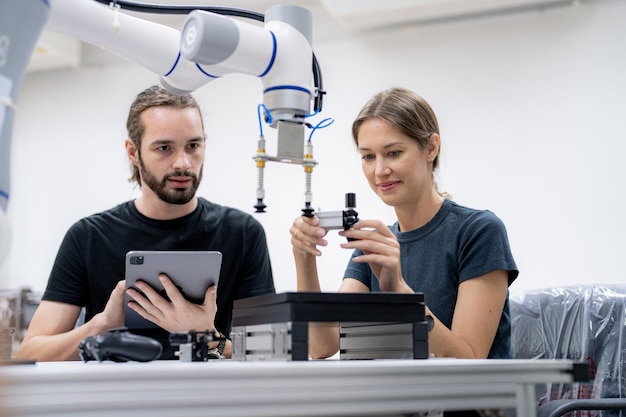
{"type": "Point", "coordinates": [211, 45]}
{"type": "Point", "coordinates": [149, 44]}
{"type": "Point", "coordinates": [222, 45]}
{"type": "Point", "coordinates": [280, 54]}
{"type": "Point", "coordinates": [288, 86]}
{"type": "Point", "coordinates": [292, 27]}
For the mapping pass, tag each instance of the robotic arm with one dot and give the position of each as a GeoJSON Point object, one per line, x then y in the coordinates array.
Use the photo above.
{"type": "Point", "coordinates": [209, 46]}
{"type": "Point", "coordinates": [16, 46]}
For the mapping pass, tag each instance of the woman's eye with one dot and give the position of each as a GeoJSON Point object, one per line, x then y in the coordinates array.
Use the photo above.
{"type": "Point", "coordinates": [368, 157]}
{"type": "Point", "coordinates": [395, 154]}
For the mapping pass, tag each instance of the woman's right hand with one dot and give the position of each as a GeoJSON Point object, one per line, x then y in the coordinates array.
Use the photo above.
{"type": "Point", "coordinates": [306, 235]}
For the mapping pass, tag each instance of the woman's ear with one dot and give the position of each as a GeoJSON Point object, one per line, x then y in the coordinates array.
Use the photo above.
{"type": "Point", "coordinates": [132, 152]}
{"type": "Point", "coordinates": [433, 147]}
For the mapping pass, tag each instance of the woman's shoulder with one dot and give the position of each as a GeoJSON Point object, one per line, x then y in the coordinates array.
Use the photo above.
{"type": "Point", "coordinates": [468, 212]}
{"type": "Point", "coordinates": [472, 217]}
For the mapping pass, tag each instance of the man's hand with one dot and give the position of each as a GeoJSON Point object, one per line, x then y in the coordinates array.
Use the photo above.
{"type": "Point", "coordinates": [113, 314]}
{"type": "Point", "coordinates": [177, 315]}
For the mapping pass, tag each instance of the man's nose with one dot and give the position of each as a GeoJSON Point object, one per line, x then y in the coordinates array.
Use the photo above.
{"type": "Point", "coordinates": [181, 162]}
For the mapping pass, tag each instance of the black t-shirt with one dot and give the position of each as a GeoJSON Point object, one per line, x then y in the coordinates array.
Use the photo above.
{"type": "Point", "coordinates": [91, 258]}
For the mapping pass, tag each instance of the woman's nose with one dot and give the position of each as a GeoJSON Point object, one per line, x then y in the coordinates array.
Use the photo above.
{"type": "Point", "coordinates": [382, 169]}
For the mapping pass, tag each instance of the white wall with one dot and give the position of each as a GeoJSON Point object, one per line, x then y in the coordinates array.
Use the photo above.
{"type": "Point", "coordinates": [531, 109]}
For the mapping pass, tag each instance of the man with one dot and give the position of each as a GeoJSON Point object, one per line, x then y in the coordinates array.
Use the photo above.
{"type": "Point", "coordinates": [166, 149]}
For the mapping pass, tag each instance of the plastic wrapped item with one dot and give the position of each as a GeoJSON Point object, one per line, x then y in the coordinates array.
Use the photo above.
{"type": "Point", "coordinates": [584, 323]}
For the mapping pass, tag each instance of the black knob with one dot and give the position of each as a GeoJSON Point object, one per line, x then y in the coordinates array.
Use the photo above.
{"type": "Point", "coordinates": [350, 200]}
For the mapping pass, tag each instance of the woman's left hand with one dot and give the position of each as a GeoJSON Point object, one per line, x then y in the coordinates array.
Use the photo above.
{"type": "Point", "coordinates": [381, 251]}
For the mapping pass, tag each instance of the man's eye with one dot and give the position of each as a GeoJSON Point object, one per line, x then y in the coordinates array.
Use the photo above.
{"type": "Point", "coordinates": [194, 145]}
{"type": "Point", "coordinates": [163, 148]}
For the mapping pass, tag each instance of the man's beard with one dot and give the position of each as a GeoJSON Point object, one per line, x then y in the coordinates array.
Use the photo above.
{"type": "Point", "coordinates": [175, 196]}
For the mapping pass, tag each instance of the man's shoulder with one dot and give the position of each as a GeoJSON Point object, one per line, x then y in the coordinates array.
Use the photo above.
{"type": "Point", "coordinates": [106, 217]}
{"type": "Point", "coordinates": [234, 220]}
{"type": "Point", "coordinates": [226, 212]}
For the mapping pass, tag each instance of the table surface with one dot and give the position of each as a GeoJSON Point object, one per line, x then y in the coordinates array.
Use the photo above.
{"type": "Point", "coordinates": [303, 388]}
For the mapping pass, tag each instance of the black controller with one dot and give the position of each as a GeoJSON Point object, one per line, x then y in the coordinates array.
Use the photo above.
{"type": "Point", "coordinates": [119, 345]}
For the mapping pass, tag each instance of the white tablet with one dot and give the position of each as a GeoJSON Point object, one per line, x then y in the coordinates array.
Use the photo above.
{"type": "Point", "coordinates": [193, 272]}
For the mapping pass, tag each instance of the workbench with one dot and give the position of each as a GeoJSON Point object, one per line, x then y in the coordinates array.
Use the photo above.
{"type": "Point", "coordinates": [381, 387]}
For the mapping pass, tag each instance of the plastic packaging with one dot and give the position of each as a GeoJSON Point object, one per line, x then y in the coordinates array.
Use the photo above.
{"type": "Point", "coordinates": [584, 323]}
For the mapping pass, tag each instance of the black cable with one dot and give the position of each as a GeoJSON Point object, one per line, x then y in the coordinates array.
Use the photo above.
{"type": "Point", "coordinates": [182, 9]}
{"type": "Point", "coordinates": [221, 10]}
{"type": "Point", "coordinates": [317, 80]}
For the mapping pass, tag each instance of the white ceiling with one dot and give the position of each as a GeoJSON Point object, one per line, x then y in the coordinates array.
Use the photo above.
{"type": "Point", "coordinates": [332, 19]}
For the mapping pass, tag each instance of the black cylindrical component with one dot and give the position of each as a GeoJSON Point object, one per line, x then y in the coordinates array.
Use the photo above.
{"type": "Point", "coordinates": [350, 200]}
{"type": "Point", "coordinates": [350, 216]}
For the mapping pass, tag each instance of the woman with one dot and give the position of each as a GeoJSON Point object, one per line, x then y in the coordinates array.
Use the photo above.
{"type": "Point", "coordinates": [457, 256]}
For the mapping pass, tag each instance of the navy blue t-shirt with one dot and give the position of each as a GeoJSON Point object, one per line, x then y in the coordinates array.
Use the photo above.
{"type": "Point", "coordinates": [458, 244]}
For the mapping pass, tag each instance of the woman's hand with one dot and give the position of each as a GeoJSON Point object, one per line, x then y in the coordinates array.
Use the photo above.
{"type": "Point", "coordinates": [381, 251]}
{"type": "Point", "coordinates": [306, 235]}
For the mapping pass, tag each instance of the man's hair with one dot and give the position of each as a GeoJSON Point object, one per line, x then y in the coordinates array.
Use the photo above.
{"type": "Point", "coordinates": [154, 96]}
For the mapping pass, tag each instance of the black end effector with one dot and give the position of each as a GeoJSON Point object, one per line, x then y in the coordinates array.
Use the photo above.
{"type": "Point", "coordinates": [307, 211]}
{"type": "Point", "coordinates": [260, 206]}
{"type": "Point", "coordinates": [119, 345]}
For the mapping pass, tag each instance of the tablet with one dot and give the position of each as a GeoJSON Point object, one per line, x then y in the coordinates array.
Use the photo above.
{"type": "Point", "coordinates": [193, 272]}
